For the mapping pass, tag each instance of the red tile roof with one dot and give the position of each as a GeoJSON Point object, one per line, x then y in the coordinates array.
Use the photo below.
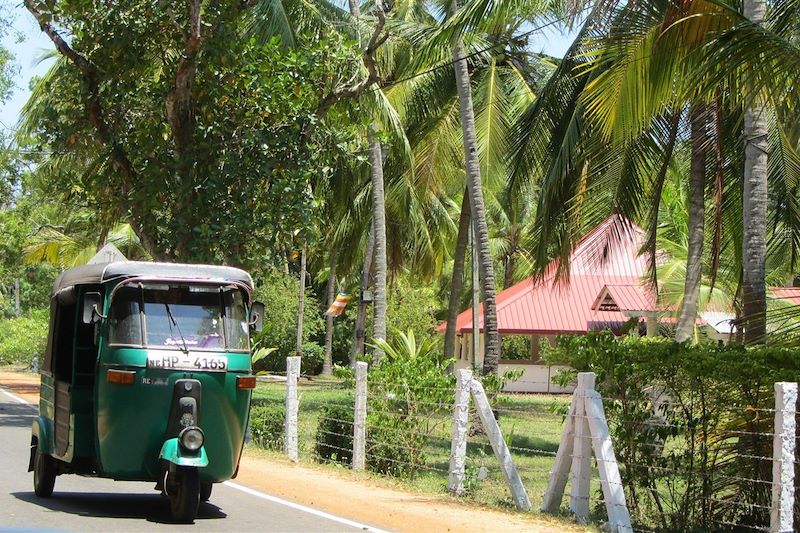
{"type": "Point", "coordinates": [608, 255]}
{"type": "Point", "coordinates": [792, 294]}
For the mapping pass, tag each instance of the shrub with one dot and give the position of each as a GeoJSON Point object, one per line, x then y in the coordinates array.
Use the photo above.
{"type": "Point", "coordinates": [334, 441]}
{"type": "Point", "coordinates": [24, 338]}
{"type": "Point", "coordinates": [346, 374]}
{"type": "Point", "coordinates": [394, 449]}
{"type": "Point", "coordinates": [266, 425]}
{"type": "Point", "coordinates": [409, 387]}
{"type": "Point", "coordinates": [343, 329]}
{"type": "Point", "coordinates": [313, 357]}
{"type": "Point", "coordinates": [689, 424]}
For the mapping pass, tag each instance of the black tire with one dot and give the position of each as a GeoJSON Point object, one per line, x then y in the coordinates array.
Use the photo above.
{"type": "Point", "coordinates": [44, 475]}
{"type": "Point", "coordinates": [185, 499]}
{"type": "Point", "coordinates": [205, 491]}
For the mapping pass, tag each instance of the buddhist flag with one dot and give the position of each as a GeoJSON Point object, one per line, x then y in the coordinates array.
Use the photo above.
{"type": "Point", "coordinates": [338, 305]}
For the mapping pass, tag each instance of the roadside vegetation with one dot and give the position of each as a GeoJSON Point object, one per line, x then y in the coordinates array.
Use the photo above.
{"type": "Point", "coordinates": [531, 423]}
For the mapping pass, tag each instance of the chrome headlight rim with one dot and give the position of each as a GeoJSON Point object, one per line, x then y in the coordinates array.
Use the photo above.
{"type": "Point", "coordinates": [191, 438]}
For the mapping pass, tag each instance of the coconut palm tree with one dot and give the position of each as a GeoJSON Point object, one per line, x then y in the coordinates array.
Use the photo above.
{"type": "Point", "coordinates": [754, 213]}
{"type": "Point", "coordinates": [479, 99]}
{"type": "Point", "coordinates": [76, 242]}
{"type": "Point", "coordinates": [637, 69]}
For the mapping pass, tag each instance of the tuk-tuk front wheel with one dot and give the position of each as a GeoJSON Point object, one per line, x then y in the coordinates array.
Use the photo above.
{"type": "Point", "coordinates": [205, 491]}
{"type": "Point", "coordinates": [44, 475]}
{"type": "Point", "coordinates": [184, 496]}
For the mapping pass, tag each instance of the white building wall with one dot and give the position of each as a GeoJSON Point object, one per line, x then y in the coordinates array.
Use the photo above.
{"type": "Point", "coordinates": [535, 377]}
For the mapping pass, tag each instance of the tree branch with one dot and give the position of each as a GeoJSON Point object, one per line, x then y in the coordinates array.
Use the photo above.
{"type": "Point", "coordinates": [178, 105]}
{"type": "Point", "coordinates": [377, 39]}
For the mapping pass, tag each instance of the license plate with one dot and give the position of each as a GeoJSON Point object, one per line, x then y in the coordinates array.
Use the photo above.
{"type": "Point", "coordinates": [179, 361]}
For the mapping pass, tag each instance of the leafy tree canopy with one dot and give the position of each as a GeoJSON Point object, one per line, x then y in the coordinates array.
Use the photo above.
{"type": "Point", "coordinates": [206, 141]}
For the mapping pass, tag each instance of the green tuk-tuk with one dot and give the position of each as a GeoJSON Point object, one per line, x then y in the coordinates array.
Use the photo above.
{"type": "Point", "coordinates": [147, 377]}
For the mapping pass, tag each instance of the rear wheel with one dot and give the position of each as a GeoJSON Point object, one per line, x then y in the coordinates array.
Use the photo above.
{"type": "Point", "coordinates": [44, 475]}
{"type": "Point", "coordinates": [205, 491]}
{"type": "Point", "coordinates": [184, 496]}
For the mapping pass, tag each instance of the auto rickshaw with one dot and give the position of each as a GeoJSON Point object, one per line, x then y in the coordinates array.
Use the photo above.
{"type": "Point", "coordinates": [147, 377]}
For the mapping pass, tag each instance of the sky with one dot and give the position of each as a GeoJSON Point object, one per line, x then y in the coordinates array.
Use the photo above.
{"type": "Point", "coordinates": [35, 44]}
{"type": "Point", "coordinates": [27, 54]}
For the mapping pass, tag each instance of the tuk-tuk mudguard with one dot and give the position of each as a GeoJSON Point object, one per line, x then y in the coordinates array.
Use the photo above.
{"type": "Point", "coordinates": [41, 435]}
{"type": "Point", "coordinates": [171, 451]}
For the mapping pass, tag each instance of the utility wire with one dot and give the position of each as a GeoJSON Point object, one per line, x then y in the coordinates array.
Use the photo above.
{"type": "Point", "coordinates": [481, 51]}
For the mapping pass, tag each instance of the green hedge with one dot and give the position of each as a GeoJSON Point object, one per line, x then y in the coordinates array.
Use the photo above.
{"type": "Point", "coordinates": [266, 425]}
{"type": "Point", "coordinates": [698, 455]}
{"type": "Point", "coordinates": [22, 339]}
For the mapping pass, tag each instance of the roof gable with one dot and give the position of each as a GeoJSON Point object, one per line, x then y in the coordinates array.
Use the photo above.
{"type": "Point", "coordinates": [607, 255]}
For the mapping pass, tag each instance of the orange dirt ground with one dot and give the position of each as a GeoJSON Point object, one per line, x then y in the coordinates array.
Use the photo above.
{"type": "Point", "coordinates": [352, 495]}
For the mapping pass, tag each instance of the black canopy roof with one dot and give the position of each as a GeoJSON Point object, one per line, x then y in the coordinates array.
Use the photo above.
{"type": "Point", "coordinates": [124, 269]}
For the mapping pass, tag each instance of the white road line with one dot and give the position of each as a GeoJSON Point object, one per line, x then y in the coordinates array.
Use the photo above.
{"type": "Point", "coordinates": [15, 397]}
{"type": "Point", "coordinates": [303, 508]}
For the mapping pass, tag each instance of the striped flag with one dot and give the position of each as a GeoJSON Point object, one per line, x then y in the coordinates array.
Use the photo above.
{"type": "Point", "coordinates": [338, 305]}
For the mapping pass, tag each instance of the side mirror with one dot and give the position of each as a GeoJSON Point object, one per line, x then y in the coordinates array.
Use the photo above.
{"type": "Point", "coordinates": [91, 304]}
{"type": "Point", "coordinates": [257, 316]}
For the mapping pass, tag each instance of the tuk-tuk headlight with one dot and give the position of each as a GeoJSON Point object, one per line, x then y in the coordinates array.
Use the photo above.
{"type": "Point", "coordinates": [191, 438]}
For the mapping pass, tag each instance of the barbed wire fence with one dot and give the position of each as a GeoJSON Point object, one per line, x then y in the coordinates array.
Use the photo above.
{"type": "Point", "coordinates": [671, 465]}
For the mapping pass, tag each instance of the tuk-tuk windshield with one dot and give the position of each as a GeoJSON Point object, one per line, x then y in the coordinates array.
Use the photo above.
{"type": "Point", "coordinates": [179, 316]}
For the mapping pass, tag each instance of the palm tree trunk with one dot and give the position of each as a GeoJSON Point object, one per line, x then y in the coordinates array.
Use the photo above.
{"type": "Point", "coordinates": [301, 303]}
{"type": "Point", "coordinates": [491, 357]}
{"type": "Point", "coordinates": [355, 9]}
{"type": "Point", "coordinates": [379, 222]}
{"type": "Point", "coordinates": [361, 314]}
{"type": "Point", "coordinates": [17, 299]}
{"type": "Point", "coordinates": [458, 278]}
{"type": "Point", "coordinates": [694, 260]}
{"type": "Point", "coordinates": [754, 247]}
{"type": "Point", "coordinates": [511, 264]}
{"type": "Point", "coordinates": [327, 363]}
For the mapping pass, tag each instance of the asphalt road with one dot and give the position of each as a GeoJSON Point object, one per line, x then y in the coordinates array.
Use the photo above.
{"type": "Point", "coordinates": [91, 504]}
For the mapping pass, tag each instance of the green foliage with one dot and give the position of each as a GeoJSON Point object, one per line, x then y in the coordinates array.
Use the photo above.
{"type": "Point", "coordinates": [260, 353]}
{"type": "Point", "coordinates": [343, 329]}
{"type": "Point", "coordinates": [312, 359]}
{"type": "Point", "coordinates": [334, 439]}
{"type": "Point", "coordinates": [495, 382]}
{"type": "Point", "coordinates": [216, 183]}
{"type": "Point", "coordinates": [346, 374]}
{"type": "Point", "coordinates": [23, 339]}
{"type": "Point", "coordinates": [689, 423]}
{"type": "Point", "coordinates": [279, 293]}
{"type": "Point", "coordinates": [16, 223]}
{"type": "Point", "coordinates": [516, 347]}
{"type": "Point", "coordinates": [266, 425]}
{"type": "Point", "coordinates": [411, 307]}
{"type": "Point", "coordinates": [409, 386]}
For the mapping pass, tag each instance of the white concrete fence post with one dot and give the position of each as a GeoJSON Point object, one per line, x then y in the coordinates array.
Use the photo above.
{"type": "Point", "coordinates": [619, 519]}
{"type": "Point", "coordinates": [581, 451]}
{"type": "Point", "coordinates": [561, 467]}
{"type": "Point", "coordinates": [586, 429]}
{"type": "Point", "coordinates": [360, 418]}
{"type": "Point", "coordinates": [783, 458]}
{"type": "Point", "coordinates": [458, 444]}
{"type": "Point", "coordinates": [292, 405]}
{"type": "Point", "coordinates": [501, 451]}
